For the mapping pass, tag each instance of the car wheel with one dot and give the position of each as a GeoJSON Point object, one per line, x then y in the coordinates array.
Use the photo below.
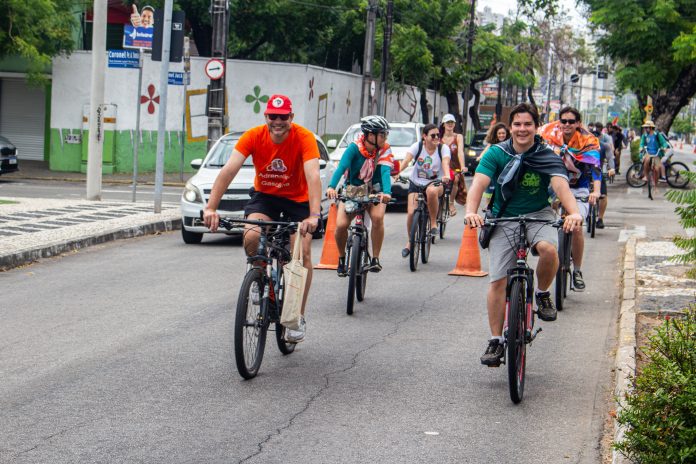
{"type": "Point", "coordinates": [191, 237]}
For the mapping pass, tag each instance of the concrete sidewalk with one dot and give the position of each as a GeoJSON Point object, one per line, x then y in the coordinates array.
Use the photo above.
{"type": "Point", "coordinates": [34, 228]}
{"type": "Point", "coordinates": [39, 170]}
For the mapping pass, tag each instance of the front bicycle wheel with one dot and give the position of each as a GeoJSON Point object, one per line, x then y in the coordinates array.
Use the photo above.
{"type": "Point", "coordinates": [361, 283]}
{"type": "Point", "coordinates": [675, 176]}
{"type": "Point", "coordinates": [353, 271]}
{"type": "Point", "coordinates": [284, 346]}
{"type": "Point", "coordinates": [251, 324]}
{"type": "Point", "coordinates": [633, 177]}
{"type": "Point", "coordinates": [415, 239]}
{"type": "Point", "coordinates": [516, 346]}
{"type": "Point", "coordinates": [592, 223]}
{"type": "Point", "coordinates": [560, 273]}
{"type": "Point", "coordinates": [427, 239]}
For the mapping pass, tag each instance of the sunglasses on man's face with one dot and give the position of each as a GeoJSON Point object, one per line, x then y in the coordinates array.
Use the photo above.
{"type": "Point", "coordinates": [434, 136]}
{"type": "Point", "coordinates": [568, 121]}
{"type": "Point", "coordinates": [283, 117]}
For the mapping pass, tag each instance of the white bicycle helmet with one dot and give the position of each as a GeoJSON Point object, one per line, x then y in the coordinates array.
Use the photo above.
{"type": "Point", "coordinates": [374, 124]}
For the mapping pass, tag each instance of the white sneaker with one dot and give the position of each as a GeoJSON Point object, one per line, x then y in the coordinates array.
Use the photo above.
{"type": "Point", "coordinates": [296, 336]}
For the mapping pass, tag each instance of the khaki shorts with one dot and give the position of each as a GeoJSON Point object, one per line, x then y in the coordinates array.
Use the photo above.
{"type": "Point", "coordinates": [501, 252]}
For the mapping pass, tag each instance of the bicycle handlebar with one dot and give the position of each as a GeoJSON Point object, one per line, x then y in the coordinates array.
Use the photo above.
{"type": "Point", "coordinates": [371, 200]}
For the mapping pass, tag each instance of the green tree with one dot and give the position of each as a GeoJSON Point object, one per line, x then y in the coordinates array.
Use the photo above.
{"type": "Point", "coordinates": [37, 30]}
{"type": "Point", "coordinates": [653, 43]}
{"type": "Point", "coordinates": [683, 126]}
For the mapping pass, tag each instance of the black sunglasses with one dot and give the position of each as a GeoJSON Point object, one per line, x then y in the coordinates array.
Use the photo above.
{"type": "Point", "coordinates": [568, 121]}
{"type": "Point", "coordinates": [434, 136]}
{"type": "Point", "coordinates": [283, 117]}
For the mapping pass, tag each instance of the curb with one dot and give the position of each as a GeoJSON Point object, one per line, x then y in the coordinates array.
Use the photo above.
{"type": "Point", "coordinates": [104, 181]}
{"type": "Point", "coordinates": [625, 361]}
{"type": "Point", "coordinates": [21, 258]}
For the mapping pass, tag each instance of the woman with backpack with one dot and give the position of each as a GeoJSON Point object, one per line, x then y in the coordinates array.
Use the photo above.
{"type": "Point", "coordinates": [431, 162]}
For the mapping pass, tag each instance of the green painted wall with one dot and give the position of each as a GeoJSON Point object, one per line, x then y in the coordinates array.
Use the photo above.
{"type": "Point", "coordinates": [68, 157]}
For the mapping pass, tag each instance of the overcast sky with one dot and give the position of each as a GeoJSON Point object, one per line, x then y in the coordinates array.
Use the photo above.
{"type": "Point", "coordinates": [503, 6]}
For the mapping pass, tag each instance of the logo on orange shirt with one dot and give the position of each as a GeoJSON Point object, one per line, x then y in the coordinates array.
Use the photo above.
{"type": "Point", "coordinates": [277, 165]}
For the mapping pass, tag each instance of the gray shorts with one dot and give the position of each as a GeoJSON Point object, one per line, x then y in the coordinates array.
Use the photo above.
{"type": "Point", "coordinates": [583, 206]}
{"type": "Point", "coordinates": [501, 252]}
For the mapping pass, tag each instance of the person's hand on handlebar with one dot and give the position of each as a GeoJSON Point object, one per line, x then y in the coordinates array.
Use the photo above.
{"type": "Point", "coordinates": [446, 179]}
{"type": "Point", "coordinates": [571, 222]}
{"type": "Point", "coordinates": [309, 225]}
{"type": "Point", "coordinates": [211, 219]}
{"type": "Point", "coordinates": [473, 219]}
{"type": "Point", "coordinates": [384, 197]}
{"type": "Point", "coordinates": [611, 173]}
{"type": "Point", "coordinates": [593, 198]}
{"type": "Point", "coordinates": [331, 193]}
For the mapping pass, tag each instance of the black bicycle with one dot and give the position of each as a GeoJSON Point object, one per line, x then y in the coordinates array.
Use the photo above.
{"type": "Point", "coordinates": [443, 210]}
{"type": "Point", "coordinates": [519, 296]}
{"type": "Point", "coordinates": [260, 301]}
{"type": "Point", "coordinates": [591, 219]}
{"type": "Point", "coordinates": [357, 251]}
{"type": "Point", "coordinates": [419, 235]}
{"type": "Point", "coordinates": [564, 280]}
{"type": "Point", "coordinates": [673, 173]}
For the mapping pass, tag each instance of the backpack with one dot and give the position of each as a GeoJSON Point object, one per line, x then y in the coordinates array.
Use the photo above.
{"type": "Point", "coordinates": [420, 149]}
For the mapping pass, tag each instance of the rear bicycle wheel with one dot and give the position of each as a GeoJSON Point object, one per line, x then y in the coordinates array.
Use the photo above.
{"type": "Point", "coordinates": [353, 271]}
{"type": "Point", "coordinates": [443, 217]}
{"type": "Point", "coordinates": [675, 177]}
{"type": "Point", "coordinates": [560, 273]}
{"type": "Point", "coordinates": [516, 346]}
{"type": "Point", "coordinates": [651, 181]}
{"type": "Point", "coordinates": [361, 283]}
{"type": "Point", "coordinates": [415, 239]}
{"type": "Point", "coordinates": [633, 177]}
{"type": "Point", "coordinates": [251, 324]}
{"type": "Point", "coordinates": [284, 346]}
{"type": "Point", "coordinates": [427, 239]}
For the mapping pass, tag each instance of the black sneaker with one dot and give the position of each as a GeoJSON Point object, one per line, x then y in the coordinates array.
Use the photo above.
{"type": "Point", "coordinates": [578, 282]}
{"type": "Point", "coordinates": [375, 266]}
{"type": "Point", "coordinates": [493, 355]}
{"type": "Point", "coordinates": [341, 269]}
{"type": "Point", "coordinates": [600, 224]}
{"type": "Point", "coordinates": [545, 308]}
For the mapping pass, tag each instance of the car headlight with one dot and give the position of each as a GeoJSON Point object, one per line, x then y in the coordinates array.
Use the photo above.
{"type": "Point", "coordinates": [192, 194]}
{"type": "Point", "coordinates": [471, 153]}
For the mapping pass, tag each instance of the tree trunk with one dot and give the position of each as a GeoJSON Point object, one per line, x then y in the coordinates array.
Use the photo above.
{"type": "Point", "coordinates": [667, 107]}
{"type": "Point", "coordinates": [453, 108]}
{"type": "Point", "coordinates": [530, 95]}
{"type": "Point", "coordinates": [424, 105]}
{"type": "Point", "coordinates": [474, 110]}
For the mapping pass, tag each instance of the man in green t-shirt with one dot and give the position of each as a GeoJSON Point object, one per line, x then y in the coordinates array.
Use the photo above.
{"type": "Point", "coordinates": [523, 168]}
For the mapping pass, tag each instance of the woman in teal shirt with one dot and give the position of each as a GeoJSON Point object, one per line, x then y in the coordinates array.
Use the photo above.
{"type": "Point", "coordinates": [366, 162]}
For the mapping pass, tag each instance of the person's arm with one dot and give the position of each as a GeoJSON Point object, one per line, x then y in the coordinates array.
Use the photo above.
{"type": "Point", "coordinates": [460, 152]}
{"type": "Point", "coordinates": [473, 199]}
{"type": "Point", "coordinates": [342, 167]}
{"type": "Point", "coordinates": [404, 164]}
{"type": "Point", "coordinates": [642, 142]}
{"type": "Point", "coordinates": [311, 172]}
{"type": "Point", "coordinates": [562, 190]}
{"type": "Point", "coordinates": [446, 156]}
{"type": "Point", "coordinates": [596, 185]}
{"type": "Point", "coordinates": [228, 172]}
{"type": "Point", "coordinates": [385, 175]}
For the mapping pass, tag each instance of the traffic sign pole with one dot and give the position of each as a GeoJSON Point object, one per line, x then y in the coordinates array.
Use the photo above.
{"type": "Point", "coordinates": [136, 144]}
{"type": "Point", "coordinates": [164, 85]}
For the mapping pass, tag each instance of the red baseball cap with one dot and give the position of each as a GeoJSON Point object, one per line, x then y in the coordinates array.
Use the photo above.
{"type": "Point", "coordinates": [278, 104]}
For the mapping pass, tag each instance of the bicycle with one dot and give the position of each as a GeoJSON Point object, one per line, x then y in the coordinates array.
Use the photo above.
{"type": "Point", "coordinates": [419, 235]}
{"type": "Point", "coordinates": [443, 210]}
{"type": "Point", "coordinates": [592, 219]}
{"type": "Point", "coordinates": [519, 297]}
{"type": "Point", "coordinates": [564, 279]}
{"type": "Point", "coordinates": [673, 173]}
{"type": "Point", "coordinates": [357, 251]}
{"type": "Point", "coordinates": [260, 301]}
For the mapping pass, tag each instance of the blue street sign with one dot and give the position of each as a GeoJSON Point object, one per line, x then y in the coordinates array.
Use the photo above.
{"type": "Point", "coordinates": [137, 37]}
{"type": "Point", "coordinates": [123, 58]}
{"type": "Point", "coordinates": [613, 114]}
{"type": "Point", "coordinates": [177, 78]}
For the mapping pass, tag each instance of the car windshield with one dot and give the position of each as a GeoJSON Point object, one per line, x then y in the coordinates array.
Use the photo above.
{"type": "Point", "coordinates": [398, 136]}
{"type": "Point", "coordinates": [221, 153]}
{"type": "Point", "coordinates": [479, 139]}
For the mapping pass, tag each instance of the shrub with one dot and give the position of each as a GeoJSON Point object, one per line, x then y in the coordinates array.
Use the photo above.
{"type": "Point", "coordinates": [660, 412]}
{"type": "Point", "coordinates": [635, 150]}
{"type": "Point", "coordinates": [686, 199]}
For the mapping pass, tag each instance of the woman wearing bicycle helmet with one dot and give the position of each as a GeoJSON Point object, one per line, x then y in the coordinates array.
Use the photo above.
{"type": "Point", "coordinates": [367, 165]}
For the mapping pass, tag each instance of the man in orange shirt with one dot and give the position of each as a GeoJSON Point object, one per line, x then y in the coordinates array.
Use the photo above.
{"type": "Point", "coordinates": [286, 160]}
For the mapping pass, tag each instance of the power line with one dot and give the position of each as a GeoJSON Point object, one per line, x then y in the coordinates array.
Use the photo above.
{"type": "Point", "coordinates": [316, 5]}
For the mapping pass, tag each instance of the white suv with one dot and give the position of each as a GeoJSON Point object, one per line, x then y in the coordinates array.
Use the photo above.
{"type": "Point", "coordinates": [197, 190]}
{"type": "Point", "coordinates": [401, 136]}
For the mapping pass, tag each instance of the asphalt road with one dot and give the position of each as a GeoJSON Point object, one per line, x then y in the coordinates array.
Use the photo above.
{"type": "Point", "coordinates": [123, 353]}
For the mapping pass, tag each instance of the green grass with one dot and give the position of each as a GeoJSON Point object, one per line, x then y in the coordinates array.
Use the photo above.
{"type": "Point", "coordinates": [7, 202]}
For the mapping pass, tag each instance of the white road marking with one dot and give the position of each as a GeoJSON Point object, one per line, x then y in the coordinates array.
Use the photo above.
{"type": "Point", "coordinates": [638, 232]}
{"type": "Point", "coordinates": [634, 191]}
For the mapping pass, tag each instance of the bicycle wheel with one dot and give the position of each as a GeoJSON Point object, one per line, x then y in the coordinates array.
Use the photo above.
{"type": "Point", "coordinates": [516, 346]}
{"type": "Point", "coordinates": [592, 223]}
{"type": "Point", "coordinates": [567, 259]}
{"type": "Point", "coordinates": [443, 217]}
{"type": "Point", "coordinates": [560, 273]}
{"type": "Point", "coordinates": [415, 239]}
{"type": "Point", "coordinates": [250, 324]}
{"type": "Point", "coordinates": [675, 178]}
{"type": "Point", "coordinates": [353, 271]}
{"type": "Point", "coordinates": [283, 346]}
{"type": "Point", "coordinates": [361, 283]}
{"type": "Point", "coordinates": [651, 180]}
{"type": "Point", "coordinates": [427, 239]}
{"type": "Point", "coordinates": [633, 177]}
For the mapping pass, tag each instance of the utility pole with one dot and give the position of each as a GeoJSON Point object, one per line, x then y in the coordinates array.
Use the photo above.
{"type": "Point", "coordinates": [469, 47]}
{"type": "Point", "coordinates": [96, 100]}
{"type": "Point", "coordinates": [549, 78]}
{"type": "Point", "coordinates": [368, 58]}
{"type": "Point", "coordinates": [162, 116]}
{"type": "Point", "coordinates": [217, 120]}
{"type": "Point", "coordinates": [385, 58]}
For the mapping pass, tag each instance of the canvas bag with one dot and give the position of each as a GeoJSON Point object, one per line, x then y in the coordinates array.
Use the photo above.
{"type": "Point", "coordinates": [295, 280]}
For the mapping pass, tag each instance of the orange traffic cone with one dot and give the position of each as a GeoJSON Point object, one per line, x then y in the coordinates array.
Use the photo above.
{"type": "Point", "coordinates": [329, 254]}
{"type": "Point", "coordinates": [469, 259]}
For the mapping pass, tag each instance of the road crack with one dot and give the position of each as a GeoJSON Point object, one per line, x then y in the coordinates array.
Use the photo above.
{"type": "Point", "coordinates": [353, 363]}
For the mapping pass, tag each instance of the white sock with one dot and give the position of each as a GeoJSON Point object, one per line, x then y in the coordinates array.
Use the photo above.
{"type": "Point", "coordinates": [500, 339]}
{"type": "Point", "coordinates": [576, 269]}
{"type": "Point", "coordinates": [540, 291]}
